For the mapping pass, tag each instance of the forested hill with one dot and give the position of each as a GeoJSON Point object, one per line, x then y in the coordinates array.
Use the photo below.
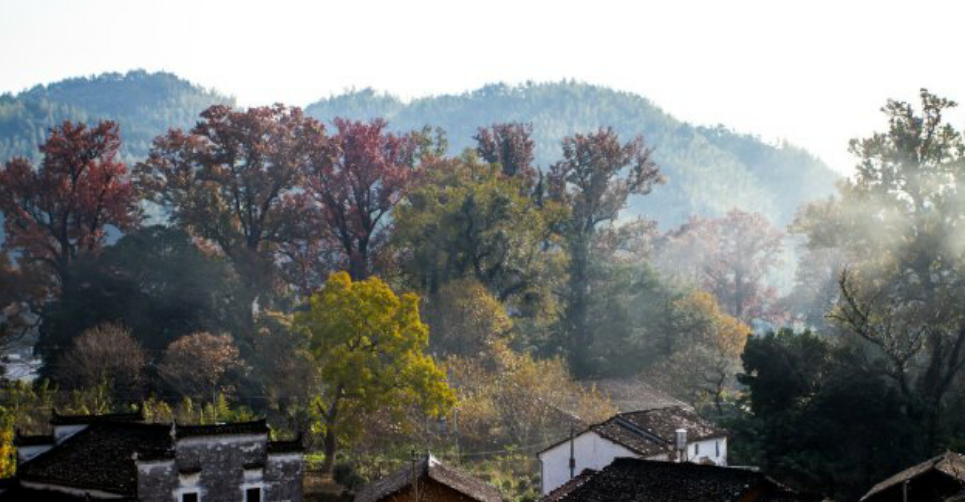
{"type": "Point", "coordinates": [708, 170]}
{"type": "Point", "coordinates": [145, 105]}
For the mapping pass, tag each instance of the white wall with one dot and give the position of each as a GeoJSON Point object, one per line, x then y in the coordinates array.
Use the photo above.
{"type": "Point", "coordinates": [590, 450]}
{"type": "Point", "coordinates": [714, 450]}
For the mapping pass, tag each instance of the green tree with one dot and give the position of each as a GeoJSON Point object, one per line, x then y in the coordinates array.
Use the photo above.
{"type": "Point", "coordinates": [594, 180]}
{"type": "Point", "coordinates": [371, 347]}
{"type": "Point", "coordinates": [899, 224]}
{"type": "Point", "coordinates": [155, 281]}
{"type": "Point", "coordinates": [469, 220]}
{"type": "Point", "coordinates": [819, 416]}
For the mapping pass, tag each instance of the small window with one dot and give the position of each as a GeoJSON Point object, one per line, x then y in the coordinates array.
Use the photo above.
{"type": "Point", "coordinates": [189, 497]}
{"type": "Point", "coordinates": [717, 444]}
{"type": "Point", "coordinates": [253, 495]}
{"type": "Point", "coordinates": [696, 449]}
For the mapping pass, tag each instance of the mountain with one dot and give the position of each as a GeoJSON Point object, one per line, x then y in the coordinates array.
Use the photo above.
{"type": "Point", "coordinates": [144, 104]}
{"type": "Point", "coordinates": [709, 170]}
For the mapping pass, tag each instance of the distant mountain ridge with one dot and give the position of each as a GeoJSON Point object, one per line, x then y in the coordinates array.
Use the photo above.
{"type": "Point", "coordinates": [708, 170]}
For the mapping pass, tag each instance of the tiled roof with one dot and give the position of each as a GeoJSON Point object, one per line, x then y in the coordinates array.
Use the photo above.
{"type": "Point", "coordinates": [431, 468]}
{"type": "Point", "coordinates": [950, 464]}
{"type": "Point", "coordinates": [651, 432]}
{"type": "Point", "coordinates": [255, 427]}
{"type": "Point", "coordinates": [18, 493]}
{"type": "Point", "coordinates": [664, 421]}
{"type": "Point", "coordinates": [294, 446]}
{"type": "Point", "coordinates": [99, 457]}
{"type": "Point", "coordinates": [58, 419]}
{"type": "Point", "coordinates": [633, 394]}
{"type": "Point", "coordinates": [41, 440]}
{"type": "Point", "coordinates": [638, 480]}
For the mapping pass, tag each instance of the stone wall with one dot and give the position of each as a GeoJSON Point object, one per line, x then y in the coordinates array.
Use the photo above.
{"type": "Point", "coordinates": [220, 469]}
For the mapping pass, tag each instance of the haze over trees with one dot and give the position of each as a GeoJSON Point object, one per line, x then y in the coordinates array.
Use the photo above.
{"type": "Point", "coordinates": [377, 285]}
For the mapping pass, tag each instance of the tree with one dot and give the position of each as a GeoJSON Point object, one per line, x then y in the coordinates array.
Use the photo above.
{"type": "Point", "coordinates": [370, 345]}
{"type": "Point", "coordinates": [466, 319]}
{"type": "Point", "coordinates": [366, 173]}
{"type": "Point", "coordinates": [898, 223]}
{"type": "Point", "coordinates": [819, 416]}
{"type": "Point", "coordinates": [732, 257]}
{"type": "Point", "coordinates": [231, 180]}
{"type": "Point", "coordinates": [511, 398]}
{"type": "Point", "coordinates": [108, 355]}
{"type": "Point", "coordinates": [467, 219]}
{"type": "Point", "coordinates": [702, 365]}
{"type": "Point", "coordinates": [155, 281]}
{"type": "Point", "coordinates": [64, 208]}
{"type": "Point", "coordinates": [594, 180]}
{"type": "Point", "coordinates": [511, 146]}
{"type": "Point", "coordinates": [199, 365]}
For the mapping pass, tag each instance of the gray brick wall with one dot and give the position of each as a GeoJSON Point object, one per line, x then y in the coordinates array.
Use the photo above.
{"type": "Point", "coordinates": [227, 464]}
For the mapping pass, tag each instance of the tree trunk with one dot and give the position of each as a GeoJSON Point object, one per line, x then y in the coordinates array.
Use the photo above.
{"type": "Point", "coordinates": [330, 442]}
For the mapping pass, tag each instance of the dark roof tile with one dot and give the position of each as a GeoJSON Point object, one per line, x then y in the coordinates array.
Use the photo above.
{"type": "Point", "coordinates": [433, 469]}
{"type": "Point", "coordinates": [638, 480]}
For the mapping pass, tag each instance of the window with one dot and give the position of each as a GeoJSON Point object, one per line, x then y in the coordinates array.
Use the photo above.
{"type": "Point", "coordinates": [696, 449]}
{"type": "Point", "coordinates": [253, 495]}
{"type": "Point", "coordinates": [189, 497]}
{"type": "Point", "coordinates": [717, 443]}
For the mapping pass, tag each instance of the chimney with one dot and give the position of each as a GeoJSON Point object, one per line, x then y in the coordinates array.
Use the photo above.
{"type": "Point", "coordinates": [680, 444]}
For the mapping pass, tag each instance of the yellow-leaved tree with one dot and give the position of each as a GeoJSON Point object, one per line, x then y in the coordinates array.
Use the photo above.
{"type": "Point", "coordinates": [370, 346]}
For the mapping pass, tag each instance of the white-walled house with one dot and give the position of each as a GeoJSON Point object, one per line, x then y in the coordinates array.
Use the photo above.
{"type": "Point", "coordinates": [646, 434]}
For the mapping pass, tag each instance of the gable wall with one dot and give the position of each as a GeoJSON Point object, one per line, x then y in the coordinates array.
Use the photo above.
{"type": "Point", "coordinates": [590, 450]}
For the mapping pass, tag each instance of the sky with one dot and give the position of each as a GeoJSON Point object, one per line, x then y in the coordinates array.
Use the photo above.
{"type": "Point", "coordinates": [814, 73]}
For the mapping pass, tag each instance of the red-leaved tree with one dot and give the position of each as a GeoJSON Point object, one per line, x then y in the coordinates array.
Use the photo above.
{"type": "Point", "coordinates": [64, 207]}
{"type": "Point", "coordinates": [366, 173]}
{"type": "Point", "coordinates": [233, 180]}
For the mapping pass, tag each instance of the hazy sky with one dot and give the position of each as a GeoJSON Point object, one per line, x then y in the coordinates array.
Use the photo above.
{"type": "Point", "coordinates": [812, 72]}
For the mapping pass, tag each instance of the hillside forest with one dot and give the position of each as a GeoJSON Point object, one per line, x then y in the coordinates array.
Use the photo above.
{"type": "Point", "coordinates": [459, 273]}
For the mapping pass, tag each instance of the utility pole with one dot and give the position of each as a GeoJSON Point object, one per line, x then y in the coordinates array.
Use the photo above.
{"type": "Point", "coordinates": [415, 477]}
{"type": "Point", "coordinates": [572, 456]}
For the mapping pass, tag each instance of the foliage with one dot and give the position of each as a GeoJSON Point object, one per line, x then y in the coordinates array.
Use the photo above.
{"type": "Point", "coordinates": [819, 417]}
{"type": "Point", "coordinates": [469, 220]}
{"type": "Point", "coordinates": [64, 207]}
{"type": "Point", "coordinates": [903, 299]}
{"type": "Point", "coordinates": [199, 366]}
{"type": "Point", "coordinates": [508, 398]}
{"type": "Point", "coordinates": [465, 319]}
{"type": "Point", "coordinates": [593, 181]}
{"type": "Point", "coordinates": [105, 354]}
{"type": "Point", "coordinates": [370, 345]}
{"type": "Point", "coordinates": [511, 146]}
{"type": "Point", "coordinates": [708, 343]}
{"type": "Point", "coordinates": [358, 180]}
{"type": "Point", "coordinates": [710, 170]}
{"type": "Point", "coordinates": [155, 281]}
{"type": "Point", "coordinates": [8, 452]}
{"type": "Point", "coordinates": [734, 257]}
{"type": "Point", "coordinates": [229, 181]}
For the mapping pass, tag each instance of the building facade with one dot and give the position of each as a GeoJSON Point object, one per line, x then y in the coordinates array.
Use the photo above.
{"type": "Point", "coordinates": [119, 457]}
{"type": "Point", "coordinates": [649, 434]}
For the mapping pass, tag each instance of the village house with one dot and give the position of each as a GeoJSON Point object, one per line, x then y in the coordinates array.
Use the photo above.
{"type": "Point", "coordinates": [939, 479]}
{"type": "Point", "coordinates": [428, 480]}
{"type": "Point", "coordinates": [120, 457]}
{"type": "Point", "coordinates": [665, 434]}
{"type": "Point", "coordinates": [640, 480]}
